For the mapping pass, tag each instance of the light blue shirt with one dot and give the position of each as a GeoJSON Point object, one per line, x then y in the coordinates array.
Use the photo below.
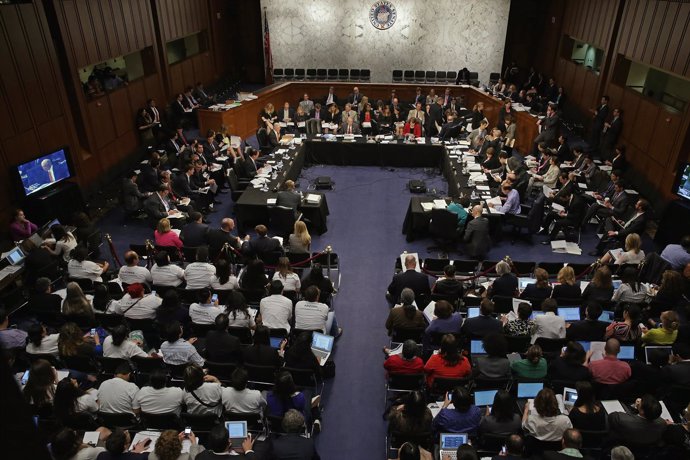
{"type": "Point", "coordinates": [512, 204]}
{"type": "Point", "coordinates": [460, 211]}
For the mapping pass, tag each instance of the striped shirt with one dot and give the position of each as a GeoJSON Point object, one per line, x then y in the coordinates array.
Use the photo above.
{"type": "Point", "coordinates": [180, 352]}
{"type": "Point", "coordinates": [311, 315]}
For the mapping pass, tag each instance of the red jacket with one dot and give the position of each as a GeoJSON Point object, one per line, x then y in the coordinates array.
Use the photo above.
{"type": "Point", "coordinates": [396, 364]}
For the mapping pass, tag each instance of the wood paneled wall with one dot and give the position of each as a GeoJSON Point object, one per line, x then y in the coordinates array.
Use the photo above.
{"type": "Point", "coordinates": [179, 18]}
{"type": "Point", "coordinates": [657, 33]}
{"type": "Point", "coordinates": [591, 21]}
{"type": "Point", "coordinates": [34, 112]}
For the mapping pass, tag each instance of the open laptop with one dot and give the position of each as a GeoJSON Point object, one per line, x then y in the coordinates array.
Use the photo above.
{"type": "Point", "coordinates": [527, 391]}
{"type": "Point", "coordinates": [569, 396]}
{"type": "Point", "coordinates": [616, 284]}
{"type": "Point", "coordinates": [484, 398]}
{"type": "Point", "coordinates": [477, 348]}
{"type": "Point", "coordinates": [449, 443]}
{"type": "Point", "coordinates": [656, 354]}
{"type": "Point", "coordinates": [276, 341]}
{"type": "Point", "coordinates": [15, 256]}
{"type": "Point", "coordinates": [536, 313]}
{"type": "Point", "coordinates": [569, 314]}
{"type": "Point", "coordinates": [237, 431]}
{"type": "Point", "coordinates": [627, 353]}
{"type": "Point", "coordinates": [607, 316]}
{"type": "Point", "coordinates": [523, 282]}
{"type": "Point", "coordinates": [322, 345]}
{"type": "Point", "coordinates": [472, 312]}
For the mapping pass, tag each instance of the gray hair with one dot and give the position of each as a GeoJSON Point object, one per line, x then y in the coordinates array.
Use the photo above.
{"type": "Point", "coordinates": [407, 296]}
{"type": "Point", "coordinates": [293, 421]}
{"type": "Point", "coordinates": [621, 453]}
{"type": "Point", "coordinates": [502, 268]}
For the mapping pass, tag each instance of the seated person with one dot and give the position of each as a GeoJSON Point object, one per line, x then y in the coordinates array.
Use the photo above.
{"type": "Point", "coordinates": [312, 315]}
{"type": "Point", "coordinates": [445, 321]}
{"type": "Point", "coordinates": [135, 304]}
{"type": "Point", "coordinates": [610, 370]}
{"type": "Point", "coordinates": [571, 443]}
{"type": "Point", "coordinates": [262, 244]}
{"type": "Point", "coordinates": [164, 236]}
{"type": "Point", "coordinates": [200, 274]}
{"type": "Point", "coordinates": [463, 418]}
{"type": "Point", "coordinates": [292, 441]}
{"type": "Point", "coordinates": [533, 366]}
{"type": "Point", "coordinates": [587, 413]}
{"type": "Point", "coordinates": [568, 288]}
{"type": "Point", "coordinates": [512, 200]}
{"type": "Point", "coordinates": [570, 365]}
{"type": "Point", "coordinates": [521, 326]}
{"type": "Point", "coordinates": [406, 315]}
{"type": "Point", "coordinates": [237, 398]}
{"type": "Point", "coordinates": [500, 418]}
{"type": "Point", "coordinates": [116, 395]}
{"type": "Point", "coordinates": [221, 346]}
{"type": "Point", "coordinates": [412, 128]}
{"type": "Point", "coordinates": [627, 330]}
{"type": "Point", "coordinates": [549, 325]}
{"type": "Point", "coordinates": [545, 423]}
{"type": "Point", "coordinates": [276, 309]}
{"type": "Point", "coordinates": [404, 363]}
{"type": "Point", "coordinates": [632, 254]}
{"type": "Point", "coordinates": [205, 310]}
{"type": "Point", "coordinates": [589, 329]}
{"type": "Point", "coordinates": [495, 364]}
{"type": "Point", "coordinates": [448, 362]}
{"type": "Point", "coordinates": [539, 290]}
{"type": "Point", "coordinates": [411, 417]}
{"type": "Point", "coordinates": [630, 290]}
{"type": "Point", "coordinates": [617, 230]}
{"type": "Point", "coordinates": [42, 298]}
{"type": "Point", "coordinates": [133, 273]}
{"type": "Point", "coordinates": [409, 278]}
{"type": "Point", "coordinates": [80, 268]}
{"type": "Point", "coordinates": [600, 289]}
{"type": "Point", "coordinates": [157, 398]}
{"type": "Point", "coordinates": [644, 429]}
{"type": "Point", "coordinates": [177, 351]}
{"type": "Point", "coordinates": [484, 324]}
{"type": "Point", "coordinates": [667, 331]}
{"type": "Point", "coordinates": [202, 392]}
{"type": "Point", "coordinates": [506, 284]}
{"type": "Point", "coordinates": [40, 342]}
{"type": "Point", "coordinates": [119, 345]}
{"type": "Point", "coordinates": [448, 285]}
{"type": "Point", "coordinates": [261, 353]}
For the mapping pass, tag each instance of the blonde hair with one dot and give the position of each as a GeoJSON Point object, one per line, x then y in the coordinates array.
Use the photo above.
{"type": "Point", "coordinates": [669, 320]}
{"type": "Point", "coordinates": [75, 302]}
{"type": "Point", "coordinates": [566, 275]}
{"type": "Point", "coordinates": [163, 225]}
{"type": "Point", "coordinates": [269, 108]}
{"type": "Point", "coordinates": [633, 243]}
{"type": "Point", "coordinates": [302, 233]}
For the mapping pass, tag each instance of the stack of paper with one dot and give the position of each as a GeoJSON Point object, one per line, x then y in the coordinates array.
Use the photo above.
{"type": "Point", "coordinates": [564, 247]}
{"type": "Point", "coordinates": [313, 198]}
{"type": "Point", "coordinates": [413, 254]}
{"type": "Point", "coordinates": [271, 201]}
{"type": "Point", "coordinates": [440, 204]}
{"type": "Point", "coordinates": [426, 206]}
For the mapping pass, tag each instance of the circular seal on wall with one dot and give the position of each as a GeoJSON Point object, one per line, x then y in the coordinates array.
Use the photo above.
{"type": "Point", "coordinates": [383, 15]}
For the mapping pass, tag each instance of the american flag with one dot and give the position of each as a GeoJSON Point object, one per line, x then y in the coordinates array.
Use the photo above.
{"type": "Point", "coordinates": [268, 58]}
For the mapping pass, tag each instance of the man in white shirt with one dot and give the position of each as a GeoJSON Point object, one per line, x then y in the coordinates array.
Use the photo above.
{"type": "Point", "coordinates": [136, 305]}
{"type": "Point", "coordinates": [276, 309]}
{"type": "Point", "coordinates": [163, 273]}
{"type": "Point", "coordinates": [157, 398]}
{"type": "Point", "coordinates": [132, 272]}
{"type": "Point", "coordinates": [199, 274]}
{"type": "Point", "coordinates": [116, 395]}
{"type": "Point", "coordinates": [311, 315]}
{"type": "Point", "coordinates": [205, 311]}
{"type": "Point", "coordinates": [240, 399]}
{"type": "Point", "coordinates": [548, 325]}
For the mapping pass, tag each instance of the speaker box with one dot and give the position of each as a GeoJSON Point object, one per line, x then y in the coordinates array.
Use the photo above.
{"type": "Point", "coordinates": [416, 186]}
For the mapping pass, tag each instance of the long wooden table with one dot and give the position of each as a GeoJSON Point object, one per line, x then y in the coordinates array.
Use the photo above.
{"type": "Point", "coordinates": [243, 120]}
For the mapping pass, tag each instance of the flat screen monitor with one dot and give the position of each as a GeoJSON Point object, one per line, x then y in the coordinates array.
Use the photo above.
{"type": "Point", "coordinates": [682, 185]}
{"type": "Point", "coordinates": [44, 172]}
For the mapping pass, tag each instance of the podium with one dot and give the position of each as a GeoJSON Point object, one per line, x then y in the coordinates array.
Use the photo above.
{"type": "Point", "coordinates": [60, 202]}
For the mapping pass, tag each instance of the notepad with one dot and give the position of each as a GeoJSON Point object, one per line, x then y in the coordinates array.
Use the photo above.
{"type": "Point", "coordinates": [426, 206]}
{"type": "Point", "coordinates": [271, 201]}
{"type": "Point", "coordinates": [91, 438]}
{"type": "Point", "coordinates": [440, 204]}
{"type": "Point", "coordinates": [313, 198]}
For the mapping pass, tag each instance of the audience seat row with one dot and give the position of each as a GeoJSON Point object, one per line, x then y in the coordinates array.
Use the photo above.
{"type": "Point", "coordinates": [300, 74]}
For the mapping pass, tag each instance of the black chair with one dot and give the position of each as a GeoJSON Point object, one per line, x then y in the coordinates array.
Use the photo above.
{"type": "Point", "coordinates": [443, 230]}
{"type": "Point", "coordinates": [321, 74]}
{"type": "Point", "coordinates": [145, 367]}
{"type": "Point", "coordinates": [255, 422]}
{"type": "Point", "coordinates": [435, 265]}
{"type": "Point", "coordinates": [112, 421]}
{"type": "Point", "coordinates": [311, 74]}
{"type": "Point", "coordinates": [465, 267]}
{"type": "Point", "coordinates": [278, 74]}
{"type": "Point", "coordinates": [419, 76]}
{"type": "Point", "coordinates": [534, 448]}
{"type": "Point", "coordinates": [365, 75]}
{"type": "Point", "coordinates": [474, 78]}
{"type": "Point", "coordinates": [451, 75]}
{"type": "Point", "coordinates": [355, 74]}
{"type": "Point", "coordinates": [332, 74]}
{"type": "Point", "coordinates": [305, 378]}
{"type": "Point", "coordinates": [189, 253]}
{"type": "Point", "coordinates": [281, 220]}
{"type": "Point", "coordinates": [343, 74]}
{"type": "Point", "coordinates": [441, 385]}
{"type": "Point", "coordinates": [403, 383]}
{"type": "Point", "coordinates": [261, 376]}
{"type": "Point", "coordinates": [400, 335]}
{"type": "Point", "coordinates": [262, 137]}
{"type": "Point", "coordinates": [278, 332]}
{"type": "Point", "coordinates": [523, 268]}
{"type": "Point", "coordinates": [289, 74]}
{"type": "Point", "coordinates": [201, 423]}
{"type": "Point", "coordinates": [85, 284]}
{"type": "Point", "coordinates": [518, 344]}
{"type": "Point", "coordinates": [441, 76]}
{"type": "Point", "coordinates": [52, 359]}
{"type": "Point", "coordinates": [430, 76]}
{"type": "Point", "coordinates": [299, 74]}
{"type": "Point", "coordinates": [242, 333]}
{"type": "Point", "coordinates": [492, 384]}
{"type": "Point", "coordinates": [253, 296]}
{"type": "Point", "coordinates": [397, 439]}
{"type": "Point", "coordinates": [168, 421]}
{"type": "Point", "coordinates": [551, 346]}
{"type": "Point", "coordinates": [221, 370]}
{"type": "Point", "coordinates": [551, 267]}
{"type": "Point", "coordinates": [85, 364]}
{"type": "Point", "coordinates": [408, 76]}
{"type": "Point", "coordinates": [82, 421]}
{"type": "Point", "coordinates": [200, 330]}
{"type": "Point", "coordinates": [397, 76]}
{"type": "Point", "coordinates": [502, 304]}
{"type": "Point", "coordinates": [494, 76]}
{"type": "Point", "coordinates": [529, 219]}
{"type": "Point", "coordinates": [109, 366]}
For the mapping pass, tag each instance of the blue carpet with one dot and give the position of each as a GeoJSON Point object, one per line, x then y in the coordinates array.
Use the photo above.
{"type": "Point", "coordinates": [367, 209]}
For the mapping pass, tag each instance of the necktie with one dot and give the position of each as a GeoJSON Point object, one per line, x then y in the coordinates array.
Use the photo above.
{"type": "Point", "coordinates": [155, 114]}
{"type": "Point", "coordinates": [349, 129]}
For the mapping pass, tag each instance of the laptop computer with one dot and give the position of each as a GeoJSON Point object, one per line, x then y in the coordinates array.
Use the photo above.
{"type": "Point", "coordinates": [656, 354]}
{"type": "Point", "coordinates": [477, 347]}
{"type": "Point", "coordinates": [616, 284]}
{"type": "Point", "coordinates": [322, 345]}
{"type": "Point", "coordinates": [237, 431]}
{"type": "Point", "coordinates": [15, 256]}
{"type": "Point", "coordinates": [585, 344]}
{"type": "Point", "coordinates": [523, 282]}
{"type": "Point", "coordinates": [536, 313]}
{"type": "Point", "coordinates": [569, 313]}
{"type": "Point", "coordinates": [569, 396]}
{"type": "Point", "coordinates": [527, 391]}
{"type": "Point", "coordinates": [449, 443]}
{"type": "Point", "coordinates": [607, 316]}
{"type": "Point", "coordinates": [484, 398]}
{"type": "Point", "coordinates": [627, 353]}
{"type": "Point", "coordinates": [472, 312]}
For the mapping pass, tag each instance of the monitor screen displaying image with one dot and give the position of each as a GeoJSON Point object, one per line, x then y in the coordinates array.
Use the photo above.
{"type": "Point", "coordinates": [682, 187]}
{"type": "Point", "coordinates": [44, 172]}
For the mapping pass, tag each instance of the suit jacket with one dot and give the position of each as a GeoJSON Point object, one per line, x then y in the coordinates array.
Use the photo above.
{"type": "Point", "coordinates": [481, 325]}
{"type": "Point", "coordinates": [620, 204]}
{"type": "Point", "coordinates": [131, 196]}
{"type": "Point", "coordinates": [633, 429]}
{"type": "Point", "coordinates": [636, 226]}
{"type": "Point", "coordinates": [194, 234]}
{"type": "Point", "coordinates": [152, 114]}
{"type": "Point", "coordinates": [325, 100]}
{"type": "Point", "coordinates": [182, 186]}
{"type": "Point", "coordinates": [610, 137]}
{"type": "Point", "coordinates": [351, 99]}
{"type": "Point", "coordinates": [448, 128]}
{"type": "Point", "coordinates": [261, 246]}
{"type": "Point", "coordinates": [412, 279]}
{"type": "Point", "coordinates": [281, 114]}
{"type": "Point", "coordinates": [154, 207]}
{"type": "Point", "coordinates": [601, 116]}
{"type": "Point", "coordinates": [217, 238]}
{"type": "Point", "coordinates": [273, 138]}
{"type": "Point", "coordinates": [355, 128]}
{"type": "Point", "coordinates": [248, 168]}
{"type": "Point", "coordinates": [149, 180]}
{"type": "Point", "coordinates": [576, 210]}
{"type": "Point", "coordinates": [322, 114]}
{"type": "Point", "coordinates": [294, 446]}
{"type": "Point", "coordinates": [288, 199]}
{"type": "Point", "coordinates": [550, 127]}
{"type": "Point", "coordinates": [435, 117]}
{"type": "Point", "coordinates": [477, 240]}
{"type": "Point", "coordinates": [223, 347]}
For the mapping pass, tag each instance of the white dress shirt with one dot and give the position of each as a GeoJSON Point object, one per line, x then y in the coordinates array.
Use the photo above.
{"type": "Point", "coordinates": [276, 311]}
{"type": "Point", "coordinates": [548, 325]}
{"type": "Point", "coordinates": [116, 396]}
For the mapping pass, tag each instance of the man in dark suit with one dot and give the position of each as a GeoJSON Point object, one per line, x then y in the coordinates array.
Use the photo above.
{"type": "Point", "coordinates": [563, 152]}
{"type": "Point", "coordinates": [610, 134]}
{"type": "Point", "coordinates": [451, 128]}
{"type": "Point", "coordinates": [132, 198]}
{"type": "Point", "coordinates": [287, 114]}
{"type": "Point", "coordinates": [570, 217]}
{"type": "Point", "coordinates": [42, 299]}
{"type": "Point", "coordinates": [330, 98]}
{"type": "Point", "coordinates": [419, 97]}
{"type": "Point", "coordinates": [572, 443]}
{"type": "Point", "coordinates": [292, 444]}
{"type": "Point", "coordinates": [477, 240]}
{"type": "Point", "coordinates": [156, 116]}
{"type": "Point", "coordinates": [317, 112]}
{"type": "Point", "coordinates": [250, 165]}
{"type": "Point", "coordinates": [435, 118]}
{"type": "Point", "coordinates": [678, 372]}
{"type": "Point", "coordinates": [273, 135]}
{"type": "Point", "coordinates": [180, 110]}
{"type": "Point", "coordinates": [149, 179]}
{"type": "Point", "coordinates": [173, 147]}
{"type": "Point", "coordinates": [350, 127]}
{"type": "Point", "coordinates": [615, 204]}
{"type": "Point", "coordinates": [289, 198]}
{"type": "Point", "coordinates": [484, 324]}
{"type": "Point", "coordinates": [601, 114]}
{"type": "Point", "coordinates": [410, 278]}
{"type": "Point", "coordinates": [616, 230]}
{"type": "Point", "coordinates": [355, 97]}
{"type": "Point", "coordinates": [262, 244]}
{"type": "Point", "coordinates": [194, 233]}
{"type": "Point", "coordinates": [642, 430]}
{"type": "Point", "coordinates": [218, 237]}
{"type": "Point", "coordinates": [549, 128]}
{"type": "Point", "coordinates": [589, 329]}
{"type": "Point", "coordinates": [157, 205]}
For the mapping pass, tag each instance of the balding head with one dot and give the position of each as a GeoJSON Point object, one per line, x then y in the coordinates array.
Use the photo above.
{"type": "Point", "coordinates": [131, 258]}
{"type": "Point", "coordinates": [572, 439]}
{"type": "Point", "coordinates": [227, 224]}
{"type": "Point", "coordinates": [612, 347]}
{"type": "Point", "coordinates": [410, 262]}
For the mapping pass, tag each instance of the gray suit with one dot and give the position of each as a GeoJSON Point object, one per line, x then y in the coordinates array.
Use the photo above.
{"type": "Point", "coordinates": [131, 196]}
{"type": "Point", "coordinates": [288, 199]}
{"type": "Point", "coordinates": [477, 240]}
{"type": "Point", "coordinates": [355, 128]}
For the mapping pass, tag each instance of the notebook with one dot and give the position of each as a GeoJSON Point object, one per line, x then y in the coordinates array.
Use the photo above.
{"type": "Point", "coordinates": [449, 443]}
{"type": "Point", "coordinates": [237, 431]}
{"type": "Point", "coordinates": [322, 345]}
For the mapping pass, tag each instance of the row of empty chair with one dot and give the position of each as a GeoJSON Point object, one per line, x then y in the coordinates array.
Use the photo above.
{"type": "Point", "coordinates": [432, 76]}
{"type": "Point", "coordinates": [288, 74]}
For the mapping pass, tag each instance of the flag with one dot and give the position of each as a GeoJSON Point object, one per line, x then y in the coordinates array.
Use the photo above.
{"type": "Point", "coordinates": [268, 58]}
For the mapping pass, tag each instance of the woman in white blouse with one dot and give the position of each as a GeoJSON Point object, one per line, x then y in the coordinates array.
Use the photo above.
{"type": "Point", "coordinates": [284, 273]}
{"type": "Point", "coordinates": [202, 393]}
{"type": "Point", "coordinates": [545, 422]}
{"type": "Point", "coordinates": [224, 279]}
{"type": "Point", "coordinates": [40, 342]}
{"type": "Point", "coordinates": [238, 312]}
{"type": "Point", "coordinates": [118, 345]}
{"type": "Point", "coordinates": [71, 401]}
{"type": "Point", "coordinates": [64, 242]}
{"type": "Point", "coordinates": [633, 253]}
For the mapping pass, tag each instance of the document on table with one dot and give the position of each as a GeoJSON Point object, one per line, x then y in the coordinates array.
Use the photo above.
{"type": "Point", "coordinates": [546, 189]}
{"type": "Point", "coordinates": [582, 186]}
{"type": "Point", "coordinates": [416, 257]}
{"type": "Point", "coordinates": [440, 204]}
{"type": "Point", "coordinates": [235, 141]}
{"type": "Point", "coordinates": [496, 201]}
{"type": "Point", "coordinates": [475, 167]}
{"type": "Point", "coordinates": [426, 206]}
{"type": "Point", "coordinates": [271, 201]}
{"type": "Point", "coordinates": [312, 198]}
{"type": "Point", "coordinates": [301, 124]}
{"type": "Point", "coordinates": [483, 187]}
{"type": "Point", "coordinates": [177, 215]}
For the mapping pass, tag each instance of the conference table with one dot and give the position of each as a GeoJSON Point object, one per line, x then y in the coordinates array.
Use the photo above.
{"type": "Point", "coordinates": [253, 206]}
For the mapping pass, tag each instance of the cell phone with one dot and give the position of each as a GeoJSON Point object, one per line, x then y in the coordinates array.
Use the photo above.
{"type": "Point", "coordinates": [25, 377]}
{"type": "Point", "coordinates": [214, 298]}
{"type": "Point", "coordinates": [503, 450]}
{"type": "Point", "coordinates": [187, 432]}
{"type": "Point", "coordinates": [93, 332]}
{"type": "Point", "coordinates": [153, 292]}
